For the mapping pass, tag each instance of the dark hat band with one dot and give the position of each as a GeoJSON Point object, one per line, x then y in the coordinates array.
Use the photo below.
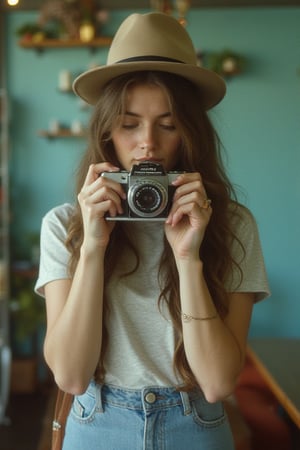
{"type": "Point", "coordinates": [149, 58]}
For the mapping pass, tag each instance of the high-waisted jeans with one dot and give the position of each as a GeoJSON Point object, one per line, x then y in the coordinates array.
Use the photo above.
{"type": "Point", "coordinates": [154, 418]}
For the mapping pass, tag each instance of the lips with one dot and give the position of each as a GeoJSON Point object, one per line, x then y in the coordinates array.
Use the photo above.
{"type": "Point", "coordinates": [153, 160]}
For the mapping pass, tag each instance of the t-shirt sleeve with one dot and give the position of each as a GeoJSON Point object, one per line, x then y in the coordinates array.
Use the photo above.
{"type": "Point", "coordinates": [249, 256]}
{"type": "Point", "coordinates": [54, 256]}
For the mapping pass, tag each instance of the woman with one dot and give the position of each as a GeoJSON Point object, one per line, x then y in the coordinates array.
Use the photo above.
{"type": "Point", "coordinates": [147, 320]}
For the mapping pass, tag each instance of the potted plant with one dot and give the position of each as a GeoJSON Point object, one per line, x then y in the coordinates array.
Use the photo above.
{"type": "Point", "coordinates": [226, 63]}
{"type": "Point", "coordinates": [27, 311]}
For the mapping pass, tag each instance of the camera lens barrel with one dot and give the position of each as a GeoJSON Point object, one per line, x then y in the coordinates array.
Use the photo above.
{"type": "Point", "coordinates": [147, 198]}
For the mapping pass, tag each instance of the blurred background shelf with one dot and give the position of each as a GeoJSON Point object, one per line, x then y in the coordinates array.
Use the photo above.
{"type": "Point", "coordinates": [101, 41]}
{"type": "Point", "coordinates": [64, 133]}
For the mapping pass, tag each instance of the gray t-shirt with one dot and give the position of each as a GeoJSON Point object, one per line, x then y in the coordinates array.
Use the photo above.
{"type": "Point", "coordinates": [141, 337]}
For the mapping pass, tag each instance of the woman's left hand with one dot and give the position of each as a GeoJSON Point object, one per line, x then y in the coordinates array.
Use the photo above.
{"type": "Point", "coordinates": [189, 216]}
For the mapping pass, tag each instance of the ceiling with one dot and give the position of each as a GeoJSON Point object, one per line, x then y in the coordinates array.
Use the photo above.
{"type": "Point", "coordinates": [138, 4]}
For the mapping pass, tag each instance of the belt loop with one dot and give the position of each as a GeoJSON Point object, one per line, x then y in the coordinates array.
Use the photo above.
{"type": "Point", "coordinates": [98, 397]}
{"type": "Point", "coordinates": [187, 409]}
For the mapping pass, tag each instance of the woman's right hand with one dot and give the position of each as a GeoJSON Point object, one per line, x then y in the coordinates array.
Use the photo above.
{"type": "Point", "coordinates": [99, 196]}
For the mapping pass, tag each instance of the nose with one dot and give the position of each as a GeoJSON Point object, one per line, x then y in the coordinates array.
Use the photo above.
{"type": "Point", "coordinates": [147, 139]}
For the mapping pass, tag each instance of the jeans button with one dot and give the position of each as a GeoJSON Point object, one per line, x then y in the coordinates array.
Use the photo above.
{"type": "Point", "coordinates": [150, 397]}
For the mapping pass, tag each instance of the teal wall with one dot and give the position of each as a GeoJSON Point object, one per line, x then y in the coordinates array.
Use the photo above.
{"type": "Point", "coordinates": [259, 121]}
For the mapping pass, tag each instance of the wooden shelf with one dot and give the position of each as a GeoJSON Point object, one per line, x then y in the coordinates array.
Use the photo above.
{"type": "Point", "coordinates": [64, 133]}
{"type": "Point", "coordinates": [102, 41]}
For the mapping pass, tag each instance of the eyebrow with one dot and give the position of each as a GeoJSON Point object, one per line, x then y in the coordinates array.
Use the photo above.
{"type": "Point", "coordinates": [161, 116]}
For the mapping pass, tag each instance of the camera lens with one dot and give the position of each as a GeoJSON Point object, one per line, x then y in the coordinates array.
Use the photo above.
{"type": "Point", "coordinates": [147, 198]}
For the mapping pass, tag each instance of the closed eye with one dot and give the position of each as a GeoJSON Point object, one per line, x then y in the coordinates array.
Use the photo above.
{"type": "Point", "coordinates": [129, 125]}
{"type": "Point", "coordinates": [167, 127]}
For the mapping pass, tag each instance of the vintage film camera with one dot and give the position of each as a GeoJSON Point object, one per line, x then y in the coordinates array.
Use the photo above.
{"type": "Point", "coordinates": [149, 192]}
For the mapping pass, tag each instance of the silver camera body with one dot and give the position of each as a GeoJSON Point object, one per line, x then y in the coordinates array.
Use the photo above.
{"type": "Point", "coordinates": [149, 192]}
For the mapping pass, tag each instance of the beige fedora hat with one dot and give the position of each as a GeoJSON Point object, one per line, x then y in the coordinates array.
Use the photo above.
{"type": "Point", "coordinates": [153, 41]}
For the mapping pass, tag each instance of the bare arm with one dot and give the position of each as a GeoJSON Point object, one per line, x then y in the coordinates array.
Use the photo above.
{"type": "Point", "coordinates": [74, 307]}
{"type": "Point", "coordinates": [215, 349]}
{"type": "Point", "coordinates": [74, 324]}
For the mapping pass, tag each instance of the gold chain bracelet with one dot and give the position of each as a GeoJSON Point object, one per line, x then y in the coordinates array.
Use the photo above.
{"type": "Point", "coordinates": [186, 318]}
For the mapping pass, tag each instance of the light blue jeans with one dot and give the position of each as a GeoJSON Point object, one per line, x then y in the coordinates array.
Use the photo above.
{"type": "Point", "coordinates": [154, 418]}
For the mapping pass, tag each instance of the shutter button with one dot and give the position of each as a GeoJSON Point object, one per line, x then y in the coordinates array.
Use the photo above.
{"type": "Point", "coordinates": [150, 397]}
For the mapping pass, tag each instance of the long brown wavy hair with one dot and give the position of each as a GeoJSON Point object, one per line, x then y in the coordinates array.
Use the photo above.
{"type": "Point", "coordinates": [200, 152]}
